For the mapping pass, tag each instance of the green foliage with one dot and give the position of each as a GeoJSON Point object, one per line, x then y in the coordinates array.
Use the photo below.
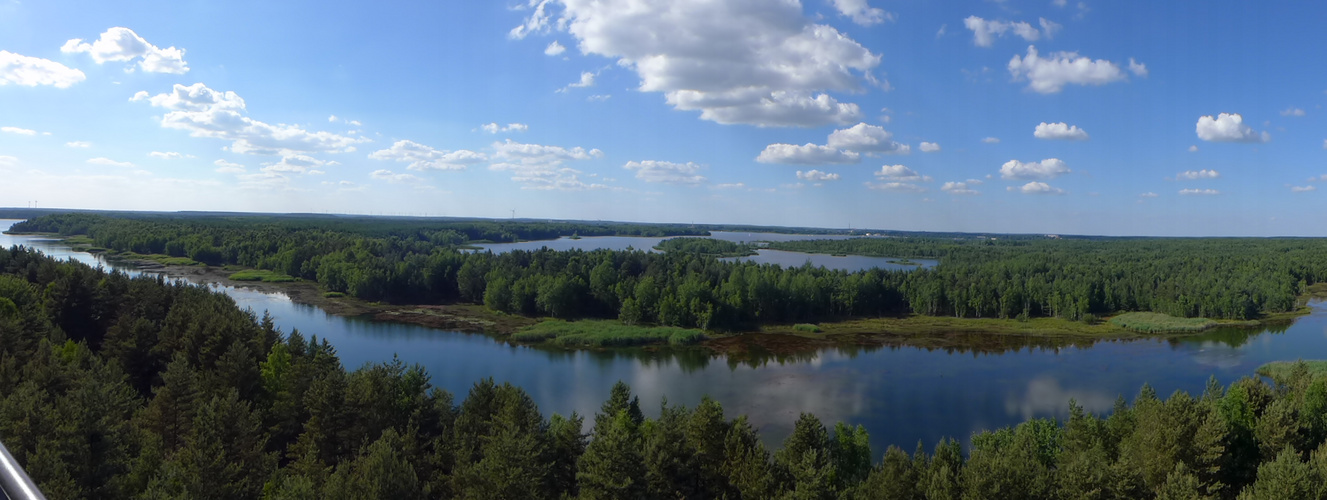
{"type": "Point", "coordinates": [1281, 371]}
{"type": "Point", "coordinates": [706, 246]}
{"type": "Point", "coordinates": [1148, 322]}
{"type": "Point", "coordinates": [806, 327]}
{"type": "Point", "coordinates": [262, 275]}
{"type": "Point", "coordinates": [589, 333]}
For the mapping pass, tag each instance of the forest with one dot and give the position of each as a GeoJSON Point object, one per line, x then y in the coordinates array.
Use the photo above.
{"type": "Point", "coordinates": [1023, 277]}
{"type": "Point", "coordinates": [118, 387]}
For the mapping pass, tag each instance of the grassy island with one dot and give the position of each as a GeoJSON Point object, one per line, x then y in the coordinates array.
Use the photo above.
{"type": "Point", "coordinates": [591, 333]}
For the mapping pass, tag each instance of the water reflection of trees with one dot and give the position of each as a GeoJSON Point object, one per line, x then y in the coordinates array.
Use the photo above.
{"type": "Point", "coordinates": [1233, 337]}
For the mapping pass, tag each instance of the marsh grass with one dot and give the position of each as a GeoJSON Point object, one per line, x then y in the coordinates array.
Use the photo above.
{"type": "Point", "coordinates": [262, 275]}
{"type": "Point", "coordinates": [595, 333]}
{"type": "Point", "coordinates": [1281, 371]}
{"type": "Point", "coordinates": [1150, 322]}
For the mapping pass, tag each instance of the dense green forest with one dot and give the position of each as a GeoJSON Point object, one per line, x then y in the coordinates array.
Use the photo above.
{"type": "Point", "coordinates": [112, 387]}
{"type": "Point", "coordinates": [706, 247]}
{"type": "Point", "coordinates": [1079, 279]}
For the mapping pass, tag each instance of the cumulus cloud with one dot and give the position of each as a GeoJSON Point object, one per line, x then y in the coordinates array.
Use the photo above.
{"type": "Point", "coordinates": [1228, 127]}
{"type": "Point", "coordinates": [862, 13]}
{"type": "Point", "coordinates": [816, 176]}
{"type": "Point", "coordinates": [168, 155]}
{"type": "Point", "coordinates": [494, 128]}
{"type": "Point", "coordinates": [1191, 175]}
{"type": "Point", "coordinates": [1059, 131]}
{"type": "Point", "coordinates": [809, 154]}
{"type": "Point", "coordinates": [1035, 187]}
{"type": "Point", "coordinates": [387, 175]}
{"type": "Point", "coordinates": [33, 71]}
{"type": "Point", "coordinates": [958, 188]}
{"type": "Point", "coordinates": [204, 112]}
{"type": "Point", "coordinates": [991, 140]}
{"type": "Point", "coordinates": [1137, 68]}
{"type": "Point", "coordinates": [298, 164]}
{"type": "Point", "coordinates": [1303, 189]}
{"type": "Point", "coordinates": [78, 144]}
{"type": "Point", "coordinates": [898, 187]}
{"type": "Point", "coordinates": [587, 80]}
{"type": "Point", "coordinates": [543, 167]}
{"type": "Point", "coordinates": [865, 138]}
{"type": "Point", "coordinates": [17, 130]}
{"type": "Point", "coordinates": [667, 172]}
{"type": "Point", "coordinates": [1050, 75]}
{"type": "Point", "coordinates": [226, 167]}
{"type": "Point", "coordinates": [901, 173]}
{"type": "Point", "coordinates": [423, 157]}
{"type": "Point", "coordinates": [984, 32]}
{"type": "Point", "coordinates": [929, 147]}
{"type": "Point", "coordinates": [1193, 148]}
{"type": "Point", "coordinates": [1199, 192]}
{"type": "Point", "coordinates": [736, 62]}
{"type": "Point", "coordinates": [123, 45]}
{"type": "Point", "coordinates": [1045, 169]}
{"type": "Point", "coordinates": [554, 49]}
{"type": "Point", "coordinates": [1292, 112]}
{"type": "Point", "coordinates": [107, 162]}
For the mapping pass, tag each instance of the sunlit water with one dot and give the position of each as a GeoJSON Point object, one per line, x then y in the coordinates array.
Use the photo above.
{"type": "Point", "coordinates": [782, 258]}
{"type": "Point", "coordinates": [900, 394]}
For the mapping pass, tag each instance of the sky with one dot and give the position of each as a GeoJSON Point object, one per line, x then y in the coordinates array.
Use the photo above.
{"type": "Point", "coordinates": [1048, 116]}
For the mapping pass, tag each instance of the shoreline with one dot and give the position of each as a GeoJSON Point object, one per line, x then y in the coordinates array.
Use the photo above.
{"type": "Point", "coordinates": [927, 332]}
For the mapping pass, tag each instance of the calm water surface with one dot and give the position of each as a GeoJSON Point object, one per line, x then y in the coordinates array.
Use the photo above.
{"type": "Point", "coordinates": [782, 258]}
{"type": "Point", "coordinates": [900, 394]}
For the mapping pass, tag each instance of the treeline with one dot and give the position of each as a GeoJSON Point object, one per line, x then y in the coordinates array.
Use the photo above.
{"type": "Point", "coordinates": [112, 387]}
{"type": "Point", "coordinates": [1079, 279]}
{"type": "Point", "coordinates": [706, 246]}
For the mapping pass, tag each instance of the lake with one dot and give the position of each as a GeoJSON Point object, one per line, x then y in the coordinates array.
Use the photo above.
{"type": "Point", "coordinates": [782, 258]}
{"type": "Point", "coordinates": [900, 394]}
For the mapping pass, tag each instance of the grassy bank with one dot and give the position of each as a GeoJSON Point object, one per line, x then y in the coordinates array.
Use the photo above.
{"type": "Point", "coordinates": [157, 258]}
{"type": "Point", "coordinates": [603, 333]}
{"type": "Point", "coordinates": [1150, 322]}
{"type": "Point", "coordinates": [1281, 370]}
{"type": "Point", "coordinates": [262, 275]}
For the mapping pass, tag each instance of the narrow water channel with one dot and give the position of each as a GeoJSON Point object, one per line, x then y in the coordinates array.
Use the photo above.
{"type": "Point", "coordinates": [900, 394]}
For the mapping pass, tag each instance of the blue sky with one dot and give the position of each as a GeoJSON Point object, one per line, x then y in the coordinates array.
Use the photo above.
{"type": "Point", "coordinates": [1093, 117]}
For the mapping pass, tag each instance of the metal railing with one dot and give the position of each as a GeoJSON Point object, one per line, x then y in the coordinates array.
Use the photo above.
{"type": "Point", "coordinates": [14, 482]}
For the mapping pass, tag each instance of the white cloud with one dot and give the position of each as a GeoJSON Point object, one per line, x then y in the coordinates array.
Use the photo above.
{"type": "Point", "coordinates": [667, 172]}
{"type": "Point", "coordinates": [168, 155]}
{"type": "Point", "coordinates": [1148, 194]}
{"type": "Point", "coordinates": [587, 80]}
{"type": "Point", "coordinates": [862, 13]}
{"type": "Point", "coordinates": [898, 187]}
{"type": "Point", "coordinates": [929, 147]}
{"type": "Point", "coordinates": [298, 164]}
{"type": "Point", "coordinates": [984, 32]}
{"type": "Point", "coordinates": [494, 128]}
{"type": "Point", "coordinates": [1045, 169]}
{"type": "Point", "coordinates": [1199, 191]}
{"type": "Point", "coordinates": [8, 161]}
{"type": "Point", "coordinates": [816, 176]}
{"type": "Point", "coordinates": [958, 188]}
{"type": "Point", "coordinates": [226, 167]}
{"type": "Point", "coordinates": [107, 162]}
{"type": "Point", "coordinates": [542, 167]}
{"type": "Point", "coordinates": [1303, 189]}
{"type": "Point", "coordinates": [809, 154]}
{"type": "Point", "coordinates": [554, 49]}
{"type": "Point", "coordinates": [78, 144]}
{"type": "Point", "coordinates": [1197, 174]}
{"type": "Point", "coordinates": [423, 157]}
{"type": "Point", "coordinates": [598, 97]}
{"type": "Point", "coordinates": [204, 112]}
{"type": "Point", "coordinates": [33, 71]}
{"type": "Point", "coordinates": [901, 173]}
{"type": "Point", "coordinates": [19, 131]}
{"type": "Point", "coordinates": [1292, 112]}
{"type": "Point", "coordinates": [387, 175]}
{"type": "Point", "coordinates": [1036, 188]}
{"type": "Point", "coordinates": [736, 62]}
{"type": "Point", "coordinates": [1059, 131]}
{"type": "Point", "coordinates": [1049, 27]}
{"type": "Point", "coordinates": [1137, 68]}
{"type": "Point", "coordinates": [866, 139]}
{"type": "Point", "coordinates": [123, 45]}
{"type": "Point", "coordinates": [731, 185]}
{"type": "Point", "coordinates": [991, 140]}
{"type": "Point", "coordinates": [1193, 148]}
{"type": "Point", "coordinates": [1050, 75]}
{"type": "Point", "coordinates": [1228, 127]}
